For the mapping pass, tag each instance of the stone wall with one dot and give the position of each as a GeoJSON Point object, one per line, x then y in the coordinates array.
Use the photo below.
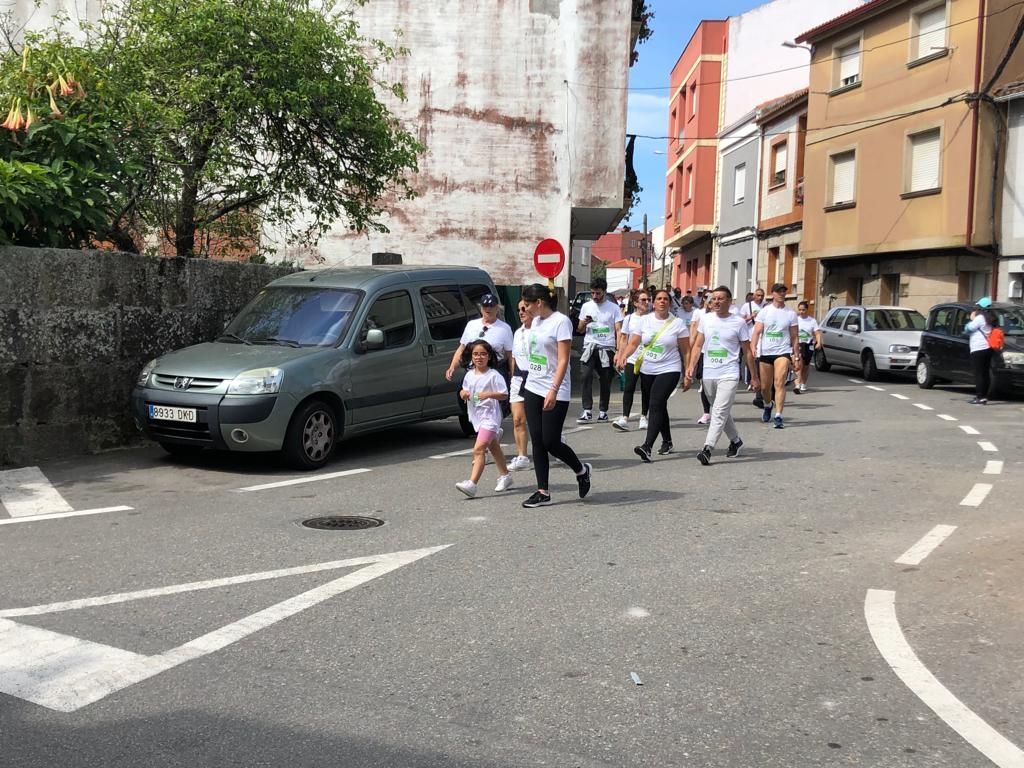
{"type": "Point", "coordinates": [77, 326]}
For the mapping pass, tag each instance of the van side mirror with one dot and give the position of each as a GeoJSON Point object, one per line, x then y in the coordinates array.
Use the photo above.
{"type": "Point", "coordinates": [374, 339]}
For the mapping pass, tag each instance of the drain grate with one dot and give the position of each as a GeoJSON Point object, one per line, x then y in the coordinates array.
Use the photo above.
{"type": "Point", "coordinates": [342, 523]}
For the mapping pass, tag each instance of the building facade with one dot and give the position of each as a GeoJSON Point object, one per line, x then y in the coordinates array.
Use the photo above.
{"type": "Point", "coordinates": [900, 204]}
{"type": "Point", "coordinates": [1010, 273]}
{"type": "Point", "coordinates": [737, 236]}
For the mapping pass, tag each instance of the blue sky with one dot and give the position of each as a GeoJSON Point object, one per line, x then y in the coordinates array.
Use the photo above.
{"type": "Point", "coordinates": [674, 22]}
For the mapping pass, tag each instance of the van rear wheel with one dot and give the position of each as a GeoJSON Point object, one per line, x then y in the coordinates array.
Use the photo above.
{"type": "Point", "coordinates": [312, 436]}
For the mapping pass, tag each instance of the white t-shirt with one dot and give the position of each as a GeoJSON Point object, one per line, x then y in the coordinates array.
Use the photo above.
{"type": "Point", "coordinates": [722, 339]}
{"type": "Point", "coordinates": [808, 326]}
{"type": "Point", "coordinates": [631, 325]}
{"type": "Point", "coordinates": [663, 355]}
{"type": "Point", "coordinates": [542, 345]}
{"type": "Point", "coordinates": [498, 335]}
{"type": "Point", "coordinates": [602, 330]}
{"type": "Point", "coordinates": [682, 314]}
{"type": "Point", "coordinates": [521, 348]}
{"type": "Point", "coordinates": [774, 338]}
{"type": "Point", "coordinates": [750, 310]}
{"type": "Point", "coordinates": [485, 414]}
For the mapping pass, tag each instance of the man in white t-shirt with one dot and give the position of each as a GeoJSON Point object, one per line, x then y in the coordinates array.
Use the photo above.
{"type": "Point", "coordinates": [749, 309]}
{"type": "Point", "coordinates": [722, 338]}
{"type": "Point", "coordinates": [775, 341]}
{"type": "Point", "coordinates": [600, 323]}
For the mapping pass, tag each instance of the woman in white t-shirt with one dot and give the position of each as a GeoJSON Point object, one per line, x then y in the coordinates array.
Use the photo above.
{"type": "Point", "coordinates": [809, 336]}
{"type": "Point", "coordinates": [640, 301]}
{"type": "Point", "coordinates": [519, 363]}
{"type": "Point", "coordinates": [662, 342]}
{"type": "Point", "coordinates": [547, 391]}
{"type": "Point", "coordinates": [491, 329]}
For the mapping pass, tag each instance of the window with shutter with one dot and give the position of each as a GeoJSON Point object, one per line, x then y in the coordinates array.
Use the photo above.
{"type": "Point", "coordinates": [924, 160]}
{"type": "Point", "coordinates": [849, 64]}
{"type": "Point", "coordinates": [929, 29]}
{"type": "Point", "coordinates": [843, 177]}
{"type": "Point", "coordinates": [780, 161]}
{"type": "Point", "coordinates": [739, 183]}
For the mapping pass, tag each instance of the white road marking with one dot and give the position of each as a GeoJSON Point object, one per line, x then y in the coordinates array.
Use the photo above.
{"type": "Point", "coordinates": [899, 397]}
{"type": "Point", "coordinates": [65, 673]}
{"type": "Point", "coordinates": [917, 553]}
{"type": "Point", "coordinates": [61, 515]}
{"type": "Point", "coordinates": [880, 614]}
{"type": "Point", "coordinates": [877, 389]}
{"type": "Point", "coordinates": [301, 480]}
{"type": "Point", "coordinates": [977, 495]}
{"type": "Point", "coordinates": [969, 430]}
{"type": "Point", "coordinates": [923, 407]}
{"type": "Point", "coordinates": [636, 612]}
{"type": "Point", "coordinates": [947, 417]}
{"type": "Point", "coordinates": [25, 492]}
{"type": "Point", "coordinates": [993, 468]}
{"type": "Point", "coordinates": [856, 381]}
{"type": "Point", "coordinates": [987, 446]}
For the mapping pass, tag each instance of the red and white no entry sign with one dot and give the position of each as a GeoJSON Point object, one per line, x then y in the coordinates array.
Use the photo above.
{"type": "Point", "coordinates": [549, 258]}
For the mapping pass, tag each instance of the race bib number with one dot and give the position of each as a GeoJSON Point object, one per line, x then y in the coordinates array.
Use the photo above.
{"type": "Point", "coordinates": [601, 332]}
{"type": "Point", "coordinates": [717, 356]}
{"type": "Point", "coordinates": [538, 363]}
{"type": "Point", "coordinates": [805, 336]}
{"type": "Point", "coordinates": [773, 335]}
{"type": "Point", "coordinates": [654, 353]}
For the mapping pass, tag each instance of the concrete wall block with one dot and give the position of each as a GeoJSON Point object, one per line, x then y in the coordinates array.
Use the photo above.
{"type": "Point", "coordinates": [69, 334]}
{"type": "Point", "coordinates": [12, 393]}
{"type": "Point", "coordinates": [13, 337]}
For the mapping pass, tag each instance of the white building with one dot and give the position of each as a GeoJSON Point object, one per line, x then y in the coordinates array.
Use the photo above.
{"type": "Point", "coordinates": [1010, 275]}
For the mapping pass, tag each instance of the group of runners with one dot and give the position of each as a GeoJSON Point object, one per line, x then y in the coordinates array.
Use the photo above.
{"type": "Point", "coordinates": [661, 343]}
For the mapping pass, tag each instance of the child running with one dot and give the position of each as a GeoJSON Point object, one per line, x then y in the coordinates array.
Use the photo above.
{"type": "Point", "coordinates": [483, 389]}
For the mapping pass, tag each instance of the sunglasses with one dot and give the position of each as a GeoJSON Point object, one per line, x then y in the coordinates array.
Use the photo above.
{"type": "Point", "coordinates": [482, 332]}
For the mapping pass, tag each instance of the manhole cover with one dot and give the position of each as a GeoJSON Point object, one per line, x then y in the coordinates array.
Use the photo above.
{"type": "Point", "coordinates": [342, 523]}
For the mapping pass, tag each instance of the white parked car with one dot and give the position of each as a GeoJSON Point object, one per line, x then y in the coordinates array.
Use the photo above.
{"type": "Point", "coordinates": [870, 339]}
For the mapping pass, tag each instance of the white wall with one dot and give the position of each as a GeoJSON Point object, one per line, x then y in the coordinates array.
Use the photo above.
{"type": "Point", "coordinates": [779, 201]}
{"type": "Point", "coordinates": [755, 48]}
{"type": "Point", "coordinates": [30, 18]}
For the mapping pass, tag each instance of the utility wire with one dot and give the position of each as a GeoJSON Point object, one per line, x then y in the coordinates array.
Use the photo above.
{"type": "Point", "coordinates": [801, 66]}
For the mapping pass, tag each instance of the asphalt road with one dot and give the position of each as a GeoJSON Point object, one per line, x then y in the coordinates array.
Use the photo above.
{"type": "Point", "coordinates": [758, 601]}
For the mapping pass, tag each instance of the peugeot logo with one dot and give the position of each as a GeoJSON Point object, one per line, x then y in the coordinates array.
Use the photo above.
{"type": "Point", "coordinates": [182, 382]}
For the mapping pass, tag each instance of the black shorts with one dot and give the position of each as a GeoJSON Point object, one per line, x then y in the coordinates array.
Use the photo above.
{"type": "Point", "coordinates": [770, 359]}
{"type": "Point", "coordinates": [806, 353]}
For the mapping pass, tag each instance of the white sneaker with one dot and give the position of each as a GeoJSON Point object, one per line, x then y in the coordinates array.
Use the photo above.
{"type": "Point", "coordinates": [621, 424]}
{"type": "Point", "coordinates": [504, 483]}
{"type": "Point", "coordinates": [803, 387]}
{"type": "Point", "coordinates": [705, 419]}
{"type": "Point", "coordinates": [643, 422]}
{"type": "Point", "coordinates": [585, 417]}
{"type": "Point", "coordinates": [468, 487]}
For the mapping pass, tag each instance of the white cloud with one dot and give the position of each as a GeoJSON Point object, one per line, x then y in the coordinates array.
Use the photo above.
{"type": "Point", "coordinates": [647, 114]}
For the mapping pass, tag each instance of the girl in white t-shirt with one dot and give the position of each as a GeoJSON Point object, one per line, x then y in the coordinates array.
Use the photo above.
{"type": "Point", "coordinates": [483, 389]}
{"type": "Point", "coordinates": [641, 304]}
{"type": "Point", "coordinates": [809, 336]}
{"type": "Point", "coordinates": [519, 362]}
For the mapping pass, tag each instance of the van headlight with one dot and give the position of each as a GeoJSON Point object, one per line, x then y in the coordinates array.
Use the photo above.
{"type": "Point", "coordinates": [258, 381]}
{"type": "Point", "coordinates": [898, 349]}
{"type": "Point", "coordinates": [147, 369]}
{"type": "Point", "coordinates": [1014, 358]}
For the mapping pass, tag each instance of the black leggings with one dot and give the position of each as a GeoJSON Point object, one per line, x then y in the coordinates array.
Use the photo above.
{"type": "Point", "coordinates": [981, 364]}
{"type": "Point", "coordinates": [699, 374]}
{"type": "Point", "coordinates": [546, 434]}
{"type": "Point", "coordinates": [628, 390]}
{"type": "Point", "coordinates": [658, 387]}
{"type": "Point", "coordinates": [604, 376]}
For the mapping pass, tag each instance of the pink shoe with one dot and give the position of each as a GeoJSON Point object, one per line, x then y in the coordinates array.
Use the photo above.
{"type": "Point", "coordinates": [705, 419]}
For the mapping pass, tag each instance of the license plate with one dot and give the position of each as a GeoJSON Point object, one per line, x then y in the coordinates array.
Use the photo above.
{"type": "Point", "coordinates": [171, 413]}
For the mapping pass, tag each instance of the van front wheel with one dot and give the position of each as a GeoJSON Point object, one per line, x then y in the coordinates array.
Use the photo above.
{"type": "Point", "coordinates": [312, 436]}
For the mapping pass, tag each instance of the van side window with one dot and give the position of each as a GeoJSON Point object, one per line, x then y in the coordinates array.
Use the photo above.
{"type": "Point", "coordinates": [944, 321]}
{"type": "Point", "coordinates": [473, 293]}
{"type": "Point", "coordinates": [836, 321]}
{"type": "Point", "coordinates": [446, 315]}
{"type": "Point", "coordinates": [392, 313]}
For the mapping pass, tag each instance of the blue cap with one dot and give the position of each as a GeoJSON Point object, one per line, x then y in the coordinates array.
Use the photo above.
{"type": "Point", "coordinates": [489, 300]}
{"type": "Point", "coordinates": [985, 302]}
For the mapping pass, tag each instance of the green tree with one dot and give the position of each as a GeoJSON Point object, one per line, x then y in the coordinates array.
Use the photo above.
{"type": "Point", "coordinates": [226, 114]}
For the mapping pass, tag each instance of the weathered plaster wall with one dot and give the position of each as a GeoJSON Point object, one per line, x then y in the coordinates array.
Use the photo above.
{"type": "Point", "coordinates": [77, 326]}
{"type": "Point", "coordinates": [495, 91]}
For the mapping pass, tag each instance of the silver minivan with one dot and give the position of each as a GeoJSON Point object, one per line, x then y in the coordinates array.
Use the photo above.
{"type": "Point", "coordinates": [314, 356]}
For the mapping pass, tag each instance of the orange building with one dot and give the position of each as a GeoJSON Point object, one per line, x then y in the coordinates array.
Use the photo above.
{"type": "Point", "coordinates": [691, 181]}
{"type": "Point", "coordinates": [621, 244]}
{"type": "Point", "coordinates": [900, 204]}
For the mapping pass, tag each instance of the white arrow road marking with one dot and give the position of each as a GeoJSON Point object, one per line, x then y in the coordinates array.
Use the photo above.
{"type": "Point", "coordinates": [880, 613]}
{"type": "Point", "coordinates": [26, 491]}
{"type": "Point", "coordinates": [65, 673]}
{"type": "Point", "coordinates": [61, 515]}
{"type": "Point", "coordinates": [917, 553]}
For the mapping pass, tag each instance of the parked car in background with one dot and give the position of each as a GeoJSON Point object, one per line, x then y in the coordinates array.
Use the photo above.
{"type": "Point", "coordinates": [870, 339]}
{"type": "Point", "coordinates": [945, 353]}
{"type": "Point", "coordinates": [314, 356]}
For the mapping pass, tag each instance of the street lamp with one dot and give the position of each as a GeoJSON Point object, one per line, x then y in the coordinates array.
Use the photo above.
{"type": "Point", "coordinates": [791, 44]}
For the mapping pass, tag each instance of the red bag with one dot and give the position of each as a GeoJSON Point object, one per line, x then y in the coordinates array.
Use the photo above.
{"type": "Point", "coordinates": [996, 338]}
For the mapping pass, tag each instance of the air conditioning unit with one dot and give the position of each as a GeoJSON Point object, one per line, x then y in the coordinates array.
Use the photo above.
{"type": "Point", "coordinates": [1017, 288]}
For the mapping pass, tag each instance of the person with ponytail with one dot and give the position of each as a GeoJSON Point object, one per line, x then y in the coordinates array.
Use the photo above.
{"type": "Point", "coordinates": [547, 391]}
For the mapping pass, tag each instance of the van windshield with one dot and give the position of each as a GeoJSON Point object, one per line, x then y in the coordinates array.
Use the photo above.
{"type": "Point", "coordinates": [294, 316]}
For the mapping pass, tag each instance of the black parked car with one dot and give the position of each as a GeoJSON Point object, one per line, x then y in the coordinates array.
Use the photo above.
{"type": "Point", "coordinates": [945, 353]}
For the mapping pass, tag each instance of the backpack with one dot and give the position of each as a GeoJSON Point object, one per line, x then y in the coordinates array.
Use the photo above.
{"type": "Point", "coordinates": [996, 338]}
